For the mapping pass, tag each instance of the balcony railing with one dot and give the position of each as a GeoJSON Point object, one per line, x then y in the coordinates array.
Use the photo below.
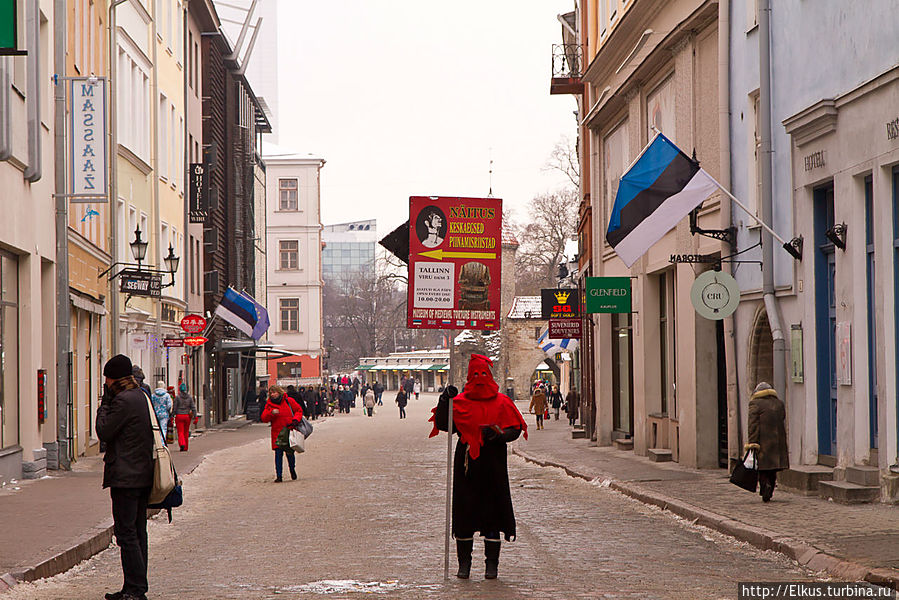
{"type": "Point", "coordinates": [567, 62]}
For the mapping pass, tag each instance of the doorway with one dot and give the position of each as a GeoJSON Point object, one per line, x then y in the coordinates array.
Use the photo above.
{"type": "Point", "coordinates": [825, 322]}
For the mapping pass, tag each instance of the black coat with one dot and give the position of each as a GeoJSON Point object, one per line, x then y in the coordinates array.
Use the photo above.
{"type": "Point", "coordinates": [482, 501]}
{"type": "Point", "coordinates": [123, 423]}
{"type": "Point", "coordinates": [402, 400]}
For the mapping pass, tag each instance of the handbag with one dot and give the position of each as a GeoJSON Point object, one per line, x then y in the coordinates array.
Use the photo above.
{"type": "Point", "coordinates": [297, 441]}
{"type": "Point", "coordinates": [170, 431]}
{"type": "Point", "coordinates": [745, 473]}
{"type": "Point", "coordinates": [305, 427]}
{"type": "Point", "coordinates": [164, 476]}
{"type": "Point", "coordinates": [546, 414]}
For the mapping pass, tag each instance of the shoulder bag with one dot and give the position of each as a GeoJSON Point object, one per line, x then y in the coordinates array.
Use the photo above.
{"type": "Point", "coordinates": [164, 476]}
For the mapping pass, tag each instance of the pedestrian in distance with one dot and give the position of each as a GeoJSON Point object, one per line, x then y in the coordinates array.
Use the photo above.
{"type": "Point", "coordinates": [379, 391]}
{"type": "Point", "coordinates": [401, 401]}
{"type": "Point", "coordinates": [572, 405]}
{"type": "Point", "coordinates": [185, 412]}
{"type": "Point", "coordinates": [162, 406]}
{"type": "Point", "coordinates": [281, 411]}
{"type": "Point", "coordinates": [369, 402]}
{"type": "Point", "coordinates": [538, 405]}
{"type": "Point", "coordinates": [416, 388]}
{"type": "Point", "coordinates": [124, 424]}
{"type": "Point", "coordinates": [409, 387]}
{"type": "Point", "coordinates": [138, 374]}
{"type": "Point", "coordinates": [555, 400]}
{"type": "Point", "coordinates": [486, 421]}
{"type": "Point", "coordinates": [768, 437]}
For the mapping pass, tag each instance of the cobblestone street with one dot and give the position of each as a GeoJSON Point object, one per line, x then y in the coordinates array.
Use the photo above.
{"type": "Point", "coordinates": [367, 516]}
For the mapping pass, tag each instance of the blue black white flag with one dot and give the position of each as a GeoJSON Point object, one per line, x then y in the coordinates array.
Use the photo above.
{"type": "Point", "coordinates": [552, 347]}
{"type": "Point", "coordinates": [659, 190]}
{"type": "Point", "coordinates": [242, 311]}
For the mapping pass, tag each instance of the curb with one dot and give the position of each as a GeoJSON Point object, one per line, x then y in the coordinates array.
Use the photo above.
{"type": "Point", "coordinates": [95, 541]}
{"type": "Point", "coordinates": [764, 539]}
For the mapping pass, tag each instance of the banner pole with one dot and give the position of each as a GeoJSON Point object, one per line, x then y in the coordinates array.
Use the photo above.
{"type": "Point", "coordinates": [449, 488]}
{"type": "Point", "coordinates": [747, 211]}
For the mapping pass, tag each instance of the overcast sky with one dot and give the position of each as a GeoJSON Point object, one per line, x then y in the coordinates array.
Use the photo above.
{"type": "Point", "coordinates": [411, 97]}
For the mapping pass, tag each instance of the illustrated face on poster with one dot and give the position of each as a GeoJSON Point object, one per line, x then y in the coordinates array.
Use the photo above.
{"type": "Point", "coordinates": [430, 227]}
{"type": "Point", "coordinates": [455, 262]}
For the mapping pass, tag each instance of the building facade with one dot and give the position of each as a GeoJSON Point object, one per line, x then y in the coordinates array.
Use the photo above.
{"type": "Point", "coordinates": [835, 147]}
{"type": "Point", "coordinates": [294, 264]}
{"type": "Point", "coordinates": [349, 249]}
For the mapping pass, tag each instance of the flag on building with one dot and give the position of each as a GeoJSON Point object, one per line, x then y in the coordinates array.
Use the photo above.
{"type": "Point", "coordinates": [552, 347]}
{"type": "Point", "coordinates": [242, 311]}
{"type": "Point", "coordinates": [659, 190]}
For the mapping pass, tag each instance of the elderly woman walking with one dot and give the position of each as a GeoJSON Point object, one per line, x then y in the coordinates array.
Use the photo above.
{"type": "Point", "coordinates": [768, 436]}
{"type": "Point", "coordinates": [281, 411]}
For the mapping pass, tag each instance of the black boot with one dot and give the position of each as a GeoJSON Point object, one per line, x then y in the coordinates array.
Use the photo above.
{"type": "Point", "coordinates": [463, 551]}
{"type": "Point", "coordinates": [491, 552]}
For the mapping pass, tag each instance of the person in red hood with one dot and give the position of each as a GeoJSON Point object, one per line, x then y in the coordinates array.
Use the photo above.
{"type": "Point", "coordinates": [281, 411]}
{"type": "Point", "coordinates": [485, 421]}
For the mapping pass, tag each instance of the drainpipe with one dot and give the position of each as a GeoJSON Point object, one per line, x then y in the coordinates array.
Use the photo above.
{"type": "Point", "coordinates": [63, 315]}
{"type": "Point", "coordinates": [33, 83]}
{"type": "Point", "coordinates": [156, 217]}
{"type": "Point", "coordinates": [734, 420]}
{"type": "Point", "coordinates": [772, 307]}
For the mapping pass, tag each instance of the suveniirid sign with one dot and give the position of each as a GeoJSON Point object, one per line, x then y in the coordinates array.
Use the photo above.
{"type": "Point", "coordinates": [608, 294]}
{"type": "Point", "coordinates": [559, 304]}
{"type": "Point", "coordinates": [560, 329]}
{"type": "Point", "coordinates": [455, 262]}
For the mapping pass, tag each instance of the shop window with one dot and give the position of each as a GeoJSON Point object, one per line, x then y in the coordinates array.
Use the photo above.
{"type": "Point", "coordinates": [9, 351]}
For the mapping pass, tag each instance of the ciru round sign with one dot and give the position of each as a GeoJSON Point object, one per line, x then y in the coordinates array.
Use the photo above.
{"type": "Point", "coordinates": [715, 295]}
{"type": "Point", "coordinates": [193, 323]}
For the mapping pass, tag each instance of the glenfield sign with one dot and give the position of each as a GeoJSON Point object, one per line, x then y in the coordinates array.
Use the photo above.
{"type": "Point", "coordinates": [455, 262]}
{"type": "Point", "coordinates": [608, 294]}
{"type": "Point", "coordinates": [559, 304]}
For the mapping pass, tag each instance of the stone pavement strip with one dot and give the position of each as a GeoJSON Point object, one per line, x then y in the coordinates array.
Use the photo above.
{"type": "Point", "coordinates": [52, 524]}
{"type": "Point", "coordinates": [855, 543]}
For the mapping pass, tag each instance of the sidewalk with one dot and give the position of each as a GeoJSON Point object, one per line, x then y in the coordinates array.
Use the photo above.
{"type": "Point", "coordinates": [49, 525]}
{"type": "Point", "coordinates": [855, 543]}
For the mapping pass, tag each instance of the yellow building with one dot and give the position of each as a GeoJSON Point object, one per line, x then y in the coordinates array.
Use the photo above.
{"type": "Point", "coordinates": [88, 242]}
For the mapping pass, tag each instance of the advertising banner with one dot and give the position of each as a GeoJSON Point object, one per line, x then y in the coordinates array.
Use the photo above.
{"type": "Point", "coordinates": [87, 140]}
{"type": "Point", "coordinates": [559, 304]}
{"type": "Point", "coordinates": [197, 180]}
{"type": "Point", "coordinates": [455, 263]}
{"type": "Point", "coordinates": [608, 294]}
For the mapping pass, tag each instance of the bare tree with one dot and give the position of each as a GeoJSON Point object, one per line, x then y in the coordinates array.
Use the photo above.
{"type": "Point", "coordinates": [552, 221]}
{"type": "Point", "coordinates": [564, 159]}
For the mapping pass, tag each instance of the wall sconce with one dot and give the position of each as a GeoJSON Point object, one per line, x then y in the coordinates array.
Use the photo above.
{"type": "Point", "coordinates": [837, 235]}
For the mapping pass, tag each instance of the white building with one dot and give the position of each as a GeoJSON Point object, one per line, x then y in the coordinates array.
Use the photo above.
{"type": "Point", "coordinates": [294, 243]}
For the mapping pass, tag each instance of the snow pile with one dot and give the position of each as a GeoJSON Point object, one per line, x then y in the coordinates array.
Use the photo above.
{"type": "Point", "coordinates": [346, 586]}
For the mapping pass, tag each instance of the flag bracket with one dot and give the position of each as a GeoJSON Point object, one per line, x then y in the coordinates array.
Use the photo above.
{"type": "Point", "coordinates": [728, 235]}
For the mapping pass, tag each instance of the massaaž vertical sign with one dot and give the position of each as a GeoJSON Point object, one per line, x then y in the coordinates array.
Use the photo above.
{"type": "Point", "coordinates": [455, 262]}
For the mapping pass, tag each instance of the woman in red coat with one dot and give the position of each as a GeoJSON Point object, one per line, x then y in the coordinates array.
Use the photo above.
{"type": "Point", "coordinates": [281, 411]}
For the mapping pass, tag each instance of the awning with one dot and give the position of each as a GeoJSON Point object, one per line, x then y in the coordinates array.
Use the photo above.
{"type": "Point", "coordinates": [437, 368]}
{"type": "Point", "coordinates": [365, 367]}
{"type": "Point", "coordinates": [227, 346]}
{"type": "Point", "coordinates": [542, 367]}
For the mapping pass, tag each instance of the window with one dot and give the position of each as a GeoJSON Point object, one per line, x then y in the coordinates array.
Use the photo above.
{"type": "Point", "coordinates": [622, 374]}
{"type": "Point", "coordinates": [190, 59]}
{"type": "Point", "coordinates": [9, 350]}
{"type": "Point", "coordinates": [162, 119]}
{"type": "Point", "coordinates": [615, 160]}
{"type": "Point", "coordinates": [290, 370]}
{"type": "Point", "coordinates": [660, 110]}
{"type": "Point", "coordinates": [179, 43]}
{"type": "Point", "coordinates": [290, 314]}
{"type": "Point", "coordinates": [289, 252]}
{"type": "Point", "coordinates": [755, 142]}
{"type": "Point", "coordinates": [288, 192]}
{"type": "Point", "coordinates": [667, 354]}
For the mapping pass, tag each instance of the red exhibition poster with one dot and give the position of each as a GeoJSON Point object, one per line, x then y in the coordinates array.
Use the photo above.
{"type": "Point", "coordinates": [455, 262]}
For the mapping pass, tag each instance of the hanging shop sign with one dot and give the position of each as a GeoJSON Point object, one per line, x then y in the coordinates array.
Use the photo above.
{"type": "Point", "coordinates": [455, 263]}
{"type": "Point", "coordinates": [844, 352]}
{"type": "Point", "coordinates": [9, 34]}
{"type": "Point", "coordinates": [608, 294]}
{"type": "Point", "coordinates": [797, 370]}
{"type": "Point", "coordinates": [87, 139]}
{"type": "Point", "coordinates": [560, 329]}
{"type": "Point", "coordinates": [141, 283]}
{"type": "Point", "coordinates": [559, 304]}
{"type": "Point", "coordinates": [198, 190]}
{"type": "Point", "coordinates": [173, 343]}
{"type": "Point", "coordinates": [193, 323]}
{"type": "Point", "coordinates": [715, 295]}
{"type": "Point", "coordinates": [195, 340]}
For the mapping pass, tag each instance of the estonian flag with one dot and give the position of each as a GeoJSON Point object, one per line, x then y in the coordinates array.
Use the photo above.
{"type": "Point", "coordinates": [242, 311]}
{"type": "Point", "coordinates": [659, 190]}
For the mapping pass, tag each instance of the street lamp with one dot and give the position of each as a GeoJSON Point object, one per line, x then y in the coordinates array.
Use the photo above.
{"type": "Point", "coordinates": [138, 247]}
{"type": "Point", "coordinates": [171, 261]}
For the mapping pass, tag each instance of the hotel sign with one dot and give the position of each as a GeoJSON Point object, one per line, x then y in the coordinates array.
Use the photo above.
{"type": "Point", "coordinates": [87, 140]}
{"type": "Point", "coordinates": [198, 192]}
{"type": "Point", "coordinates": [608, 294]}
